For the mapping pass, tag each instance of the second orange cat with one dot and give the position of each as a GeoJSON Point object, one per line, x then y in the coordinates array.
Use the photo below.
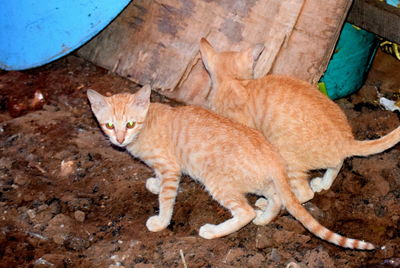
{"type": "Point", "coordinates": [309, 130]}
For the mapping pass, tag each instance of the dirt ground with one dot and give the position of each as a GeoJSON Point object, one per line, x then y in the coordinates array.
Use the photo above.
{"type": "Point", "coordinates": [69, 199]}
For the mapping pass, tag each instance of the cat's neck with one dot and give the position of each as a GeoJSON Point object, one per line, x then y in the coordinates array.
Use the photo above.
{"type": "Point", "coordinates": [220, 87]}
{"type": "Point", "coordinates": [154, 125]}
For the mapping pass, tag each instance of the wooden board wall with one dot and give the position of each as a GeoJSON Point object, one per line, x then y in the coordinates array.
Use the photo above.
{"type": "Point", "coordinates": [157, 42]}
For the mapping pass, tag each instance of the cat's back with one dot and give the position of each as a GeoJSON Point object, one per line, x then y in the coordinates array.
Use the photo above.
{"type": "Point", "coordinates": [292, 91]}
{"type": "Point", "coordinates": [298, 102]}
{"type": "Point", "coordinates": [207, 128]}
{"type": "Point", "coordinates": [206, 121]}
{"type": "Point", "coordinates": [292, 113]}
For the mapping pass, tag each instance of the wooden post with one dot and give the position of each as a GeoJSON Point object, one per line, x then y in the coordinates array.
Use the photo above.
{"type": "Point", "coordinates": [377, 17]}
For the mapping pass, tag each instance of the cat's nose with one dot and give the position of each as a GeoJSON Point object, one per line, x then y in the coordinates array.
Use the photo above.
{"type": "Point", "coordinates": [120, 137]}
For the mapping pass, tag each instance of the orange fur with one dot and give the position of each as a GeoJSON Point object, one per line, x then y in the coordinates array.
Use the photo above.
{"type": "Point", "coordinates": [229, 159]}
{"type": "Point", "coordinates": [309, 130]}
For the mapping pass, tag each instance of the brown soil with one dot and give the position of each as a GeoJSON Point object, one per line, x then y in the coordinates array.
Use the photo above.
{"type": "Point", "coordinates": [69, 199]}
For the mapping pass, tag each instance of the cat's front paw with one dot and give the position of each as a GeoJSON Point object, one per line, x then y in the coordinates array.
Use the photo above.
{"type": "Point", "coordinates": [153, 185]}
{"type": "Point", "coordinates": [156, 224]}
{"type": "Point", "coordinates": [208, 231]}
{"type": "Point", "coordinates": [316, 184]}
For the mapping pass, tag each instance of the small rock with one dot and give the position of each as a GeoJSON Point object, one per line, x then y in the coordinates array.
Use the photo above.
{"type": "Point", "coordinates": [79, 216]}
{"type": "Point", "coordinates": [66, 168]}
{"type": "Point", "coordinates": [256, 260]}
{"type": "Point", "coordinates": [5, 163]}
{"type": "Point", "coordinates": [318, 257]}
{"type": "Point", "coordinates": [80, 203]}
{"type": "Point", "coordinates": [282, 236]}
{"type": "Point", "coordinates": [49, 108]}
{"type": "Point", "coordinates": [40, 216]}
{"type": "Point", "coordinates": [59, 239]}
{"type": "Point", "coordinates": [42, 207]}
{"type": "Point", "coordinates": [233, 254]}
{"type": "Point", "coordinates": [76, 243]}
{"type": "Point", "coordinates": [31, 213]}
{"type": "Point", "coordinates": [59, 228]}
{"type": "Point", "coordinates": [274, 255]}
{"type": "Point", "coordinates": [264, 238]}
{"type": "Point", "coordinates": [21, 180]}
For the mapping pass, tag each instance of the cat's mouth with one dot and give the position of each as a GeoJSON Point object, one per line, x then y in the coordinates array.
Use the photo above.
{"type": "Point", "coordinates": [117, 147]}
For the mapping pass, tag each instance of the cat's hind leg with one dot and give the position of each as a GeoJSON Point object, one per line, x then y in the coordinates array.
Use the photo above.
{"type": "Point", "coordinates": [268, 209]}
{"type": "Point", "coordinates": [241, 211]}
{"type": "Point", "coordinates": [169, 182]}
{"type": "Point", "coordinates": [300, 186]}
{"type": "Point", "coordinates": [318, 184]}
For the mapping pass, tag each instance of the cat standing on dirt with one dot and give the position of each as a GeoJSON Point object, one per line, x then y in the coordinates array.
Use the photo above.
{"type": "Point", "coordinates": [229, 159]}
{"type": "Point", "coordinates": [309, 130]}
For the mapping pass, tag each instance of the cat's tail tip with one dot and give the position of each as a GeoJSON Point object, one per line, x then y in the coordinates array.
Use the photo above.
{"type": "Point", "coordinates": [356, 244]}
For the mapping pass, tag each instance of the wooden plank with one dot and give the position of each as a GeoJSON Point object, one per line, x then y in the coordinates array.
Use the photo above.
{"type": "Point", "coordinates": [280, 31]}
{"type": "Point", "coordinates": [377, 17]}
{"type": "Point", "coordinates": [157, 42]}
{"type": "Point", "coordinates": [310, 47]}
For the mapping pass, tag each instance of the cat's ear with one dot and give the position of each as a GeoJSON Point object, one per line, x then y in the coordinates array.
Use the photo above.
{"type": "Point", "coordinates": [142, 97]}
{"type": "Point", "coordinates": [97, 101]}
{"type": "Point", "coordinates": [206, 51]}
{"type": "Point", "coordinates": [254, 52]}
{"type": "Point", "coordinates": [205, 46]}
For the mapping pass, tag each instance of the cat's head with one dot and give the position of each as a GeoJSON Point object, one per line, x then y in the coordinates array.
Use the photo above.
{"type": "Point", "coordinates": [239, 65]}
{"type": "Point", "coordinates": [121, 116]}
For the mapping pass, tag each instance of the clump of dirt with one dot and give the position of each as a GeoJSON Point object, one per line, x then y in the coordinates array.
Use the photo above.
{"type": "Point", "coordinates": [70, 199]}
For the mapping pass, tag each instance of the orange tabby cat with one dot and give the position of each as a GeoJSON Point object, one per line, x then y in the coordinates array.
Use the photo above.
{"type": "Point", "coordinates": [309, 130]}
{"type": "Point", "coordinates": [230, 159]}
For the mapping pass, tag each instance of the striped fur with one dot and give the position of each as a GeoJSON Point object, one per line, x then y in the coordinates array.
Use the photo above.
{"type": "Point", "coordinates": [309, 130]}
{"type": "Point", "coordinates": [229, 159]}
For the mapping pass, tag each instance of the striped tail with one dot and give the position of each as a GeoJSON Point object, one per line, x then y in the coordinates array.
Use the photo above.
{"type": "Point", "coordinates": [368, 147]}
{"type": "Point", "coordinates": [301, 214]}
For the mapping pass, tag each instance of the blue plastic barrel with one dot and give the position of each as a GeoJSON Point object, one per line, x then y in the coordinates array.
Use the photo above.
{"type": "Point", "coordinates": [35, 32]}
{"type": "Point", "coordinates": [350, 62]}
{"type": "Point", "coordinates": [395, 3]}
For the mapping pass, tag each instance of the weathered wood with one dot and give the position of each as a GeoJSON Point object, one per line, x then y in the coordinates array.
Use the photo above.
{"type": "Point", "coordinates": [377, 17]}
{"type": "Point", "coordinates": [157, 42]}
{"type": "Point", "coordinates": [313, 40]}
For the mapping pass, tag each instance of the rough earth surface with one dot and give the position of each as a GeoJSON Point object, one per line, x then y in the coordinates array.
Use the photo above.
{"type": "Point", "coordinates": [70, 199]}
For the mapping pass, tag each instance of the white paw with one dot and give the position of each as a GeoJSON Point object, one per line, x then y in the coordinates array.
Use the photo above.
{"type": "Point", "coordinates": [208, 231]}
{"type": "Point", "coordinates": [156, 224]}
{"type": "Point", "coordinates": [259, 219]}
{"type": "Point", "coordinates": [261, 203]}
{"type": "Point", "coordinates": [153, 185]}
{"type": "Point", "coordinates": [316, 184]}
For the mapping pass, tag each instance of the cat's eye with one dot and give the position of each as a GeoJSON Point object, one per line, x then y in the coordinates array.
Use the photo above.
{"type": "Point", "coordinates": [130, 124]}
{"type": "Point", "coordinates": [110, 125]}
